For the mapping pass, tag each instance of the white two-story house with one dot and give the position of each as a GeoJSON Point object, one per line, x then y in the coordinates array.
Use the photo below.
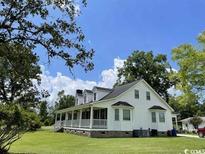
{"type": "Point", "coordinates": [133, 108]}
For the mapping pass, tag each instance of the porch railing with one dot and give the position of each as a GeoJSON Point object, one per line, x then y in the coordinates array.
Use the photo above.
{"type": "Point", "coordinates": [99, 123]}
{"type": "Point", "coordinates": [85, 123]}
{"type": "Point", "coordinates": [75, 123]}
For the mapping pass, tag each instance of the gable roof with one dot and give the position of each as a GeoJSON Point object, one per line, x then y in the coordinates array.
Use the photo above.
{"type": "Point", "coordinates": [102, 88]}
{"type": "Point", "coordinates": [88, 91]}
{"type": "Point", "coordinates": [119, 103]}
{"type": "Point", "coordinates": [116, 91]}
{"type": "Point", "coordinates": [155, 107]}
{"type": "Point", "coordinates": [187, 119]}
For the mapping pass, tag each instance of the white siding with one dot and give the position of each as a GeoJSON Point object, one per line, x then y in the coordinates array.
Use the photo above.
{"type": "Point", "coordinates": [140, 115]}
{"type": "Point", "coordinates": [79, 100]}
{"type": "Point", "coordinates": [100, 93]}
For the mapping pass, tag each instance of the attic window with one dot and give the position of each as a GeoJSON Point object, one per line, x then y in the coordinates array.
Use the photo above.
{"type": "Point", "coordinates": [148, 95]}
{"type": "Point", "coordinates": [136, 94]}
{"type": "Point", "coordinates": [94, 96]}
{"type": "Point", "coordinates": [85, 98]}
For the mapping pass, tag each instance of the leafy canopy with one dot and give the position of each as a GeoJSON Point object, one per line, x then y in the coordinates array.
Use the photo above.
{"type": "Point", "coordinates": [191, 74]}
{"type": "Point", "coordinates": [196, 121]}
{"type": "Point", "coordinates": [18, 68]}
{"type": "Point", "coordinates": [50, 24]}
{"type": "Point", "coordinates": [64, 101]}
{"type": "Point", "coordinates": [153, 69]}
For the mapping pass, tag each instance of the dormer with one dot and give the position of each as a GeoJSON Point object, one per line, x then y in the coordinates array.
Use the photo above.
{"type": "Point", "coordinates": [100, 92]}
{"type": "Point", "coordinates": [79, 97]}
{"type": "Point", "coordinates": [87, 96]}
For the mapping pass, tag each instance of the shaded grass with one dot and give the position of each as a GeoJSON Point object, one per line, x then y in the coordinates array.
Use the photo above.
{"type": "Point", "coordinates": [46, 141]}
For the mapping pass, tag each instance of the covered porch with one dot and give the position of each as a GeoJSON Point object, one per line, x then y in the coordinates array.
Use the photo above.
{"type": "Point", "coordinates": [87, 118]}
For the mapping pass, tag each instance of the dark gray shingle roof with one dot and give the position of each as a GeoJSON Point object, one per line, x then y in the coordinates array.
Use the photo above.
{"type": "Point", "coordinates": [89, 91]}
{"type": "Point", "coordinates": [102, 88]}
{"type": "Point", "coordinates": [155, 107]}
{"type": "Point", "coordinates": [119, 90]}
{"type": "Point", "coordinates": [122, 103]}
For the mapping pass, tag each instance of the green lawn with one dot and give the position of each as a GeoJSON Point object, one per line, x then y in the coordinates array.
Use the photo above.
{"type": "Point", "coordinates": [48, 142]}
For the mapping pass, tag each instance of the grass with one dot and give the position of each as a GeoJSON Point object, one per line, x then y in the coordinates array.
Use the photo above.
{"type": "Point", "coordinates": [46, 141]}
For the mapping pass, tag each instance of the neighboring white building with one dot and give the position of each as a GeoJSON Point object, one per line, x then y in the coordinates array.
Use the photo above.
{"type": "Point", "coordinates": [103, 112]}
{"type": "Point", "coordinates": [187, 126]}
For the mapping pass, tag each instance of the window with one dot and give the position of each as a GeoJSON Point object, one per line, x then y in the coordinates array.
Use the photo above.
{"type": "Point", "coordinates": [96, 114]}
{"type": "Point", "coordinates": [117, 115]}
{"type": "Point", "coordinates": [126, 114]}
{"type": "Point", "coordinates": [161, 117]}
{"type": "Point", "coordinates": [58, 117]}
{"type": "Point", "coordinates": [148, 95]}
{"type": "Point", "coordinates": [69, 116]}
{"type": "Point", "coordinates": [85, 98]}
{"type": "Point", "coordinates": [137, 94]}
{"type": "Point", "coordinates": [103, 114]}
{"type": "Point", "coordinates": [94, 96]}
{"type": "Point", "coordinates": [75, 115]}
{"type": "Point", "coordinates": [154, 117]}
{"type": "Point", "coordinates": [63, 117]}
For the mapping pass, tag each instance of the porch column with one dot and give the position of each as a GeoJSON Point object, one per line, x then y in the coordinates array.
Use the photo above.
{"type": "Point", "coordinates": [176, 123]}
{"type": "Point", "coordinates": [72, 119]}
{"type": "Point", "coordinates": [80, 117]}
{"type": "Point", "coordinates": [61, 120]}
{"type": "Point", "coordinates": [60, 116]}
{"type": "Point", "coordinates": [91, 117]}
{"type": "Point", "coordinates": [66, 119]}
{"type": "Point", "coordinates": [56, 117]}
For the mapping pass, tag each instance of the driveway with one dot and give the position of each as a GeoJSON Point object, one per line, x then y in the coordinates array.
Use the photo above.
{"type": "Point", "coordinates": [188, 135]}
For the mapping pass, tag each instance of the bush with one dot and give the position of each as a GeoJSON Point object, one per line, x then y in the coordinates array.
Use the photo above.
{"type": "Point", "coordinates": [31, 120]}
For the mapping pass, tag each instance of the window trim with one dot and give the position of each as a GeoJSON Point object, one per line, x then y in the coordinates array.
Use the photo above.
{"type": "Point", "coordinates": [155, 117]}
{"type": "Point", "coordinates": [118, 115]}
{"type": "Point", "coordinates": [94, 96]}
{"type": "Point", "coordinates": [148, 95]}
{"type": "Point", "coordinates": [123, 115]}
{"type": "Point", "coordinates": [160, 120]}
{"type": "Point", "coordinates": [137, 93]}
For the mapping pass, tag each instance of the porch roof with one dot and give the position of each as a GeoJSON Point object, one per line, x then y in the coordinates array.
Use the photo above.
{"type": "Point", "coordinates": [75, 108]}
{"type": "Point", "coordinates": [121, 103]}
{"type": "Point", "coordinates": [155, 107]}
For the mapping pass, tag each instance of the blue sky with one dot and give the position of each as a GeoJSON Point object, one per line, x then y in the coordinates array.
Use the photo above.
{"type": "Point", "coordinates": [115, 28]}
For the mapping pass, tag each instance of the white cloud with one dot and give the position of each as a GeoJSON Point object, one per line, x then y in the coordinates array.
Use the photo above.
{"type": "Point", "coordinates": [174, 92]}
{"type": "Point", "coordinates": [54, 84]}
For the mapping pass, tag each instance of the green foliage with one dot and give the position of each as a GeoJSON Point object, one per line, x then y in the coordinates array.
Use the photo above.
{"type": "Point", "coordinates": [153, 69]}
{"type": "Point", "coordinates": [18, 68]}
{"type": "Point", "coordinates": [196, 121]}
{"type": "Point", "coordinates": [31, 120]}
{"type": "Point", "coordinates": [14, 121]}
{"type": "Point", "coordinates": [43, 113]}
{"type": "Point", "coordinates": [186, 105]}
{"type": "Point", "coordinates": [191, 74]}
{"type": "Point", "coordinates": [64, 101]}
{"type": "Point", "coordinates": [46, 114]}
{"type": "Point", "coordinates": [59, 35]}
{"type": "Point", "coordinates": [190, 77]}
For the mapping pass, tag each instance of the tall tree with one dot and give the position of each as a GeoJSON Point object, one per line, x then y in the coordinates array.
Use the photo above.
{"type": "Point", "coordinates": [191, 74]}
{"type": "Point", "coordinates": [43, 113]}
{"type": "Point", "coordinates": [18, 68]}
{"type": "Point", "coordinates": [56, 30]}
{"type": "Point", "coordinates": [190, 77]}
{"type": "Point", "coordinates": [153, 69]}
{"type": "Point", "coordinates": [196, 121]}
{"type": "Point", "coordinates": [64, 101]}
{"type": "Point", "coordinates": [18, 95]}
